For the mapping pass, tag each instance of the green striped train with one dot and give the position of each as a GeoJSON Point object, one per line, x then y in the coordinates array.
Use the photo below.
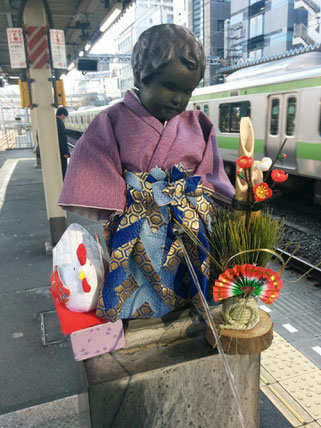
{"type": "Point", "coordinates": [283, 100]}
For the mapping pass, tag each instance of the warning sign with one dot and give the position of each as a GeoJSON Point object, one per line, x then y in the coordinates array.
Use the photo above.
{"type": "Point", "coordinates": [58, 50]}
{"type": "Point", "coordinates": [16, 48]}
{"type": "Point", "coordinates": [37, 46]}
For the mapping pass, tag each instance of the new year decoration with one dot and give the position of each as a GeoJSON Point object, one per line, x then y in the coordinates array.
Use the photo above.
{"type": "Point", "coordinates": [78, 269]}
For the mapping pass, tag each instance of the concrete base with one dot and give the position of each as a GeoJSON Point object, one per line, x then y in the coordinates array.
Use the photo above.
{"type": "Point", "coordinates": [168, 376]}
{"type": "Point", "coordinates": [67, 412]}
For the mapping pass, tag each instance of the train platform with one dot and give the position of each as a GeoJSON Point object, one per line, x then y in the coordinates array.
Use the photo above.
{"type": "Point", "coordinates": [41, 383]}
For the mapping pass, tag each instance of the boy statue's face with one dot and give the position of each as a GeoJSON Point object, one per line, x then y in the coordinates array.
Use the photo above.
{"type": "Point", "coordinates": [168, 92]}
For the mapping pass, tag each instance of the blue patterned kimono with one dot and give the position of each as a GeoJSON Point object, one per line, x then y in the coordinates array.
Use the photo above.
{"type": "Point", "coordinates": [147, 274]}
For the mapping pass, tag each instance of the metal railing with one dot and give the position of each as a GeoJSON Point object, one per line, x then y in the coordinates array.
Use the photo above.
{"type": "Point", "coordinates": [16, 136]}
{"type": "Point", "coordinates": [300, 30]}
{"type": "Point", "coordinates": [311, 5]}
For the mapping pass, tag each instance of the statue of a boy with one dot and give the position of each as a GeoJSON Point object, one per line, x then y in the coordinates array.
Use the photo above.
{"type": "Point", "coordinates": [144, 165]}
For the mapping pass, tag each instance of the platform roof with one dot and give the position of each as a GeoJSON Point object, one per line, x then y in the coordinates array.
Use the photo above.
{"type": "Point", "coordinates": [80, 20]}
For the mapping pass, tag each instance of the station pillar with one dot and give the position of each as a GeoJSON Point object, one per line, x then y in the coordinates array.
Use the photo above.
{"type": "Point", "coordinates": [46, 128]}
{"type": "Point", "coordinates": [34, 127]}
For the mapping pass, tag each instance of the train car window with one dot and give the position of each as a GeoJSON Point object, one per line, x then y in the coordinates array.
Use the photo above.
{"type": "Point", "coordinates": [224, 122]}
{"type": "Point", "coordinates": [82, 120]}
{"type": "Point", "coordinates": [206, 109]}
{"type": "Point", "coordinates": [290, 120]}
{"type": "Point", "coordinates": [230, 115]}
{"type": "Point", "coordinates": [275, 111]}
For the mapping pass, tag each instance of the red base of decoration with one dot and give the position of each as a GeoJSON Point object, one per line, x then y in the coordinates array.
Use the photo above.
{"type": "Point", "coordinates": [75, 321]}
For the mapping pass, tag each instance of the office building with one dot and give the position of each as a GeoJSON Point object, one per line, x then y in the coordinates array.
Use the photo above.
{"type": "Point", "coordinates": [206, 19]}
{"type": "Point", "coordinates": [140, 16]}
{"type": "Point", "coordinates": [265, 27]}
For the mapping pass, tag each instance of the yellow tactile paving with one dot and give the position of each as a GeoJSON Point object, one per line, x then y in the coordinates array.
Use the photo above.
{"type": "Point", "coordinates": [283, 361]}
{"type": "Point", "coordinates": [292, 383]}
{"type": "Point", "coordinates": [266, 377]}
{"type": "Point", "coordinates": [307, 391]}
{"type": "Point", "coordinates": [287, 405]}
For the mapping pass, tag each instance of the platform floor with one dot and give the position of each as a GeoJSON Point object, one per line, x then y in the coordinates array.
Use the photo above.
{"type": "Point", "coordinates": [42, 385]}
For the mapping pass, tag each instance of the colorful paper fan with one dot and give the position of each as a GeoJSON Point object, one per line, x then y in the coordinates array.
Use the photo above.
{"type": "Point", "coordinates": [249, 280]}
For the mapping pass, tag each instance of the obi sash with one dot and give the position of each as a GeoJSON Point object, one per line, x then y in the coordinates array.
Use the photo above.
{"type": "Point", "coordinates": [147, 275]}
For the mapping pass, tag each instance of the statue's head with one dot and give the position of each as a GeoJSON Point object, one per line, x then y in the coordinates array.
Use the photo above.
{"type": "Point", "coordinates": [168, 62]}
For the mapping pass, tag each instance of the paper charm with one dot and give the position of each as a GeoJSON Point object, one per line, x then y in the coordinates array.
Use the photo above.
{"type": "Point", "coordinates": [249, 280]}
{"type": "Point", "coordinates": [78, 269]}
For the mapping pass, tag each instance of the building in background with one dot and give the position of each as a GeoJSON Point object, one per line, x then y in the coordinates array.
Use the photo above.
{"type": "Point", "coordinates": [180, 12]}
{"type": "Point", "coordinates": [266, 27]}
{"type": "Point", "coordinates": [206, 19]}
{"type": "Point", "coordinates": [140, 16]}
{"type": "Point", "coordinates": [93, 88]}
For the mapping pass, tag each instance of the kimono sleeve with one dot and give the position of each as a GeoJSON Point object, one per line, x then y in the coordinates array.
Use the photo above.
{"type": "Point", "coordinates": [94, 187]}
{"type": "Point", "coordinates": [212, 168]}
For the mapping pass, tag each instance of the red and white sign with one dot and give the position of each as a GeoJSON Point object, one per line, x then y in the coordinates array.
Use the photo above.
{"type": "Point", "coordinates": [37, 46]}
{"type": "Point", "coordinates": [16, 48]}
{"type": "Point", "coordinates": [58, 50]}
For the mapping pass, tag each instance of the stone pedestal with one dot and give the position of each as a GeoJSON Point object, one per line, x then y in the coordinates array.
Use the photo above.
{"type": "Point", "coordinates": [169, 376]}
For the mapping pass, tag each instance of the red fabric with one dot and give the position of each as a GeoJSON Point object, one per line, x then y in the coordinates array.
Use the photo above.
{"type": "Point", "coordinates": [57, 288]}
{"type": "Point", "coordinates": [74, 321]}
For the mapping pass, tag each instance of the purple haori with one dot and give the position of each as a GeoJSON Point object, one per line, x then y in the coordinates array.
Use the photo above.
{"type": "Point", "coordinates": [127, 137]}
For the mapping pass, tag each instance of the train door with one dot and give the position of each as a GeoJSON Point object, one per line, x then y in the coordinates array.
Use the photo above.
{"type": "Point", "coordinates": [203, 107]}
{"type": "Point", "coordinates": [281, 124]}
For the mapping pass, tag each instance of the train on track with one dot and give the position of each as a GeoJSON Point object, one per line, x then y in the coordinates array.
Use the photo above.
{"type": "Point", "coordinates": [283, 100]}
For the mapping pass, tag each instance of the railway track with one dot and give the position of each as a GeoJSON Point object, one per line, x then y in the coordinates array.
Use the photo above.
{"type": "Point", "coordinates": [71, 142]}
{"type": "Point", "coordinates": [301, 265]}
{"type": "Point", "coordinates": [302, 227]}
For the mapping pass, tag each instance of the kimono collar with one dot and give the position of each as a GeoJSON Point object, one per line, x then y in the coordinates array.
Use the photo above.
{"type": "Point", "coordinates": [132, 101]}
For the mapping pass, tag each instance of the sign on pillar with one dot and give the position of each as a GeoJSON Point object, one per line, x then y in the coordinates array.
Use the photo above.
{"type": "Point", "coordinates": [57, 48]}
{"type": "Point", "coordinates": [16, 48]}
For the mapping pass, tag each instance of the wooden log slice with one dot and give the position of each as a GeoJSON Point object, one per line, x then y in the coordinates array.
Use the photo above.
{"type": "Point", "coordinates": [242, 342]}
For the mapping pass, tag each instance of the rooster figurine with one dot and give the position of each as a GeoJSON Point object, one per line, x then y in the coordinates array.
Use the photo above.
{"type": "Point", "coordinates": [78, 269]}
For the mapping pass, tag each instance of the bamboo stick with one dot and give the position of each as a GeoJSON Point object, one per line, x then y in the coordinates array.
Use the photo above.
{"type": "Point", "coordinates": [246, 148]}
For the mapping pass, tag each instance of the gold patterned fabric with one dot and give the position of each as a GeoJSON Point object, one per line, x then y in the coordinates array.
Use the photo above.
{"type": "Point", "coordinates": [147, 273]}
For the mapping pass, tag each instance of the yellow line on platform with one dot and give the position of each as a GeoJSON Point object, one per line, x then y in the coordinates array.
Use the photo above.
{"type": "Point", "coordinates": [292, 383]}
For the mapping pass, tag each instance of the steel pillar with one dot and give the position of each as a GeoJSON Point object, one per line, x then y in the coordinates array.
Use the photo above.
{"type": "Point", "coordinates": [42, 96]}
